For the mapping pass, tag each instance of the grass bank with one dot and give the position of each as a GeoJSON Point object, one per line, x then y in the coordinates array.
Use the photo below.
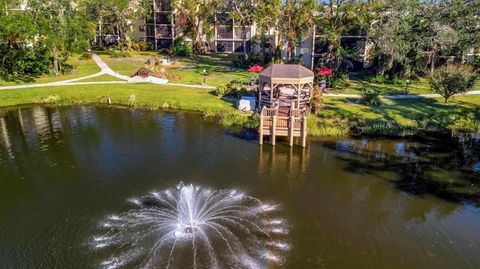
{"type": "Point", "coordinates": [397, 117]}
{"type": "Point", "coordinates": [340, 116]}
{"type": "Point", "coordinates": [143, 96]}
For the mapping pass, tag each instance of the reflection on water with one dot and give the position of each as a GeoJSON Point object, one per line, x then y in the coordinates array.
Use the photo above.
{"type": "Point", "coordinates": [441, 167]}
{"type": "Point", "coordinates": [274, 162]}
{"type": "Point", "coordinates": [350, 203]}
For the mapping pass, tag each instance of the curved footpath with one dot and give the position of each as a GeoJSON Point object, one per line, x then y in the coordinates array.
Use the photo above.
{"type": "Point", "coordinates": [106, 70]}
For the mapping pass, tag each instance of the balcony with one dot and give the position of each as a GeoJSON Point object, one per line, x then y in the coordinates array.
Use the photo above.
{"type": "Point", "coordinates": [163, 5]}
{"type": "Point", "coordinates": [164, 31]}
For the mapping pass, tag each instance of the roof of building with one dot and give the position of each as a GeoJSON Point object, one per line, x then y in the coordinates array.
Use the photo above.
{"type": "Point", "coordinates": [291, 71]}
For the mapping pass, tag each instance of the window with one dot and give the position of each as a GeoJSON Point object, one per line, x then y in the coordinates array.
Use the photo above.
{"type": "Point", "coordinates": [239, 34]}
{"type": "Point", "coordinates": [355, 45]}
{"type": "Point", "coordinates": [163, 5]}
{"type": "Point", "coordinates": [320, 47]}
{"type": "Point", "coordinates": [164, 31]}
{"type": "Point", "coordinates": [224, 32]}
{"type": "Point", "coordinates": [224, 46]}
{"type": "Point", "coordinates": [163, 18]}
{"type": "Point", "coordinates": [164, 43]}
{"type": "Point", "coordinates": [150, 30]}
{"type": "Point", "coordinates": [238, 45]}
{"type": "Point", "coordinates": [141, 29]}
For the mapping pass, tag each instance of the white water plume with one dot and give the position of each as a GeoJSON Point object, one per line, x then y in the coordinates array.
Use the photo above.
{"type": "Point", "coordinates": [194, 227]}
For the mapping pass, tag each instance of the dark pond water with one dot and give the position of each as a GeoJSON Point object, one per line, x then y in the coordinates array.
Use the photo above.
{"type": "Point", "coordinates": [346, 203]}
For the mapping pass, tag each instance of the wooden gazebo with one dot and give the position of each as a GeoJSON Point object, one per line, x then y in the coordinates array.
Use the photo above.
{"type": "Point", "coordinates": [285, 86]}
{"type": "Point", "coordinates": [283, 95]}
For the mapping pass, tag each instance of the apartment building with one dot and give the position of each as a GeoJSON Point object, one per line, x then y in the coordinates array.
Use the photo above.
{"type": "Point", "coordinates": [229, 35]}
{"type": "Point", "coordinates": [158, 28]}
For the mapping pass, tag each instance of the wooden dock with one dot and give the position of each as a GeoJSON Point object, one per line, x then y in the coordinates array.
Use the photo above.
{"type": "Point", "coordinates": [291, 123]}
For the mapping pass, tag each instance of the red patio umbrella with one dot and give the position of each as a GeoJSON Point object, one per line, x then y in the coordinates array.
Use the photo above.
{"type": "Point", "coordinates": [255, 69]}
{"type": "Point", "coordinates": [325, 72]}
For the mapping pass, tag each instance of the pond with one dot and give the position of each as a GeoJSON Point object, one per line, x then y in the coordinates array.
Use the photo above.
{"type": "Point", "coordinates": [98, 187]}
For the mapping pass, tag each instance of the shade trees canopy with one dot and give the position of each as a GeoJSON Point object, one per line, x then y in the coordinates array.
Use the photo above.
{"type": "Point", "coordinates": [193, 17]}
{"type": "Point", "coordinates": [450, 80]}
{"type": "Point", "coordinates": [55, 29]}
{"type": "Point", "coordinates": [297, 18]}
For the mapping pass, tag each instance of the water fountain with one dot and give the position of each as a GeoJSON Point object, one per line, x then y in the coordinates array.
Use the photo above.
{"type": "Point", "coordinates": [194, 227]}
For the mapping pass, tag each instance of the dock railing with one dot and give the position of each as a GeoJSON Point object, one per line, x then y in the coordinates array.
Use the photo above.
{"type": "Point", "coordinates": [292, 125]}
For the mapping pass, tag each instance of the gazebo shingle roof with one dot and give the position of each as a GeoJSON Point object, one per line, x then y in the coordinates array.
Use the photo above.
{"type": "Point", "coordinates": [287, 71]}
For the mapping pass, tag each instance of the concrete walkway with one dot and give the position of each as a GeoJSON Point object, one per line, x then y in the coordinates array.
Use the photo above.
{"type": "Point", "coordinates": [397, 96]}
{"type": "Point", "coordinates": [106, 70]}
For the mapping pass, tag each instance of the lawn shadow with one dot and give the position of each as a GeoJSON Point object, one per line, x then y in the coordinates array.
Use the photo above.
{"type": "Point", "coordinates": [19, 79]}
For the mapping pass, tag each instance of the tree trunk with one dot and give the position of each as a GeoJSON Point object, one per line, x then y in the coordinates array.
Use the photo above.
{"type": "Point", "coordinates": [55, 60]}
{"type": "Point", "coordinates": [432, 64]}
{"type": "Point", "coordinates": [262, 46]}
{"type": "Point", "coordinates": [120, 39]}
{"type": "Point", "coordinates": [100, 29]}
{"type": "Point", "coordinates": [244, 40]}
{"type": "Point", "coordinates": [433, 57]}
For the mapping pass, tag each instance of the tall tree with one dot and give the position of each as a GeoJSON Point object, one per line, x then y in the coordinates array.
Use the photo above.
{"type": "Point", "coordinates": [297, 19]}
{"type": "Point", "coordinates": [193, 16]}
{"type": "Point", "coordinates": [242, 13]}
{"type": "Point", "coordinates": [61, 26]}
{"type": "Point", "coordinates": [339, 17]}
{"type": "Point", "coordinates": [391, 36]}
{"type": "Point", "coordinates": [266, 17]}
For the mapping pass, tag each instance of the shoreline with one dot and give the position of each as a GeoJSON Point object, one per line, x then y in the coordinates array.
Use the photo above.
{"type": "Point", "coordinates": [250, 121]}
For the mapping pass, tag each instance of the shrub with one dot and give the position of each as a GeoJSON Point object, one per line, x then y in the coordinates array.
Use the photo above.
{"type": "Point", "coordinates": [370, 97]}
{"type": "Point", "coordinates": [182, 48]}
{"type": "Point", "coordinates": [66, 68]}
{"type": "Point", "coordinates": [86, 56]}
{"type": "Point", "coordinates": [233, 89]}
{"type": "Point", "coordinates": [239, 61]}
{"type": "Point", "coordinates": [451, 80]}
{"type": "Point", "coordinates": [138, 46]}
{"type": "Point", "coordinates": [119, 54]}
{"type": "Point", "coordinates": [476, 64]}
{"type": "Point", "coordinates": [165, 51]}
{"type": "Point", "coordinates": [316, 101]}
{"type": "Point", "coordinates": [386, 128]}
{"type": "Point", "coordinates": [379, 79]}
{"type": "Point", "coordinates": [221, 90]}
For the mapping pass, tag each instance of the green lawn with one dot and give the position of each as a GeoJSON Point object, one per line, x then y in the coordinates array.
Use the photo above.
{"type": "Point", "coordinates": [420, 86]}
{"type": "Point", "coordinates": [101, 79]}
{"type": "Point", "coordinates": [146, 95]}
{"type": "Point", "coordinates": [399, 109]}
{"type": "Point", "coordinates": [184, 70]}
{"type": "Point", "coordinates": [82, 68]}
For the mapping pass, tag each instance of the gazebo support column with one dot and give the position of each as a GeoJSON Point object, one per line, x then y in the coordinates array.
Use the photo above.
{"type": "Point", "coordinates": [260, 138]}
{"type": "Point", "coordinates": [304, 131]}
{"type": "Point", "coordinates": [274, 130]}
{"type": "Point", "coordinates": [291, 129]}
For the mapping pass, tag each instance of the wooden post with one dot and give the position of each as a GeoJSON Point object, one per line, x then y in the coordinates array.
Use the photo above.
{"type": "Point", "coordinates": [298, 95]}
{"type": "Point", "coordinates": [274, 129]}
{"type": "Point", "coordinates": [260, 138]}
{"type": "Point", "coordinates": [291, 128]}
{"type": "Point", "coordinates": [304, 131]}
